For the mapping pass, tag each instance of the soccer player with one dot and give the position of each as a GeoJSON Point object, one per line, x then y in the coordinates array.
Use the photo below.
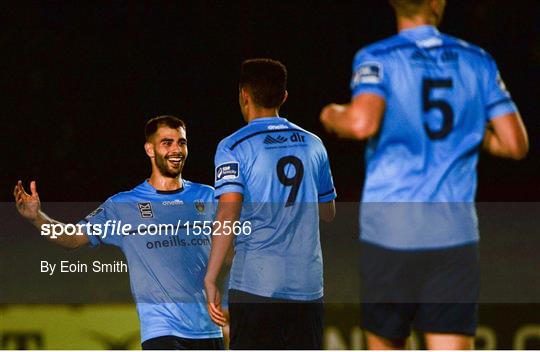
{"type": "Point", "coordinates": [275, 177]}
{"type": "Point", "coordinates": [427, 102]}
{"type": "Point", "coordinates": [167, 271]}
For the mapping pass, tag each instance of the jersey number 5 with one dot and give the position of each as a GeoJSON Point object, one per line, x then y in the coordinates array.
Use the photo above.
{"type": "Point", "coordinates": [293, 182]}
{"type": "Point", "coordinates": [446, 110]}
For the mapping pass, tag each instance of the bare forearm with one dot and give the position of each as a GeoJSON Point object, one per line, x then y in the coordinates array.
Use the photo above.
{"type": "Point", "coordinates": [493, 144]}
{"type": "Point", "coordinates": [42, 220]}
{"type": "Point", "coordinates": [229, 210]}
{"type": "Point", "coordinates": [337, 119]}
{"type": "Point", "coordinates": [359, 120]}
{"type": "Point", "coordinates": [221, 245]}
{"type": "Point", "coordinates": [506, 137]}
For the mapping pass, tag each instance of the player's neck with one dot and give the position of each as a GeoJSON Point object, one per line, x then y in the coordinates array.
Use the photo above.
{"type": "Point", "coordinates": [257, 113]}
{"type": "Point", "coordinates": [404, 23]}
{"type": "Point", "coordinates": [162, 183]}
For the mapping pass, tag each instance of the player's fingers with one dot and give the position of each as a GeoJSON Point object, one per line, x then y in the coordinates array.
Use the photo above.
{"type": "Point", "coordinates": [213, 309]}
{"type": "Point", "coordinates": [17, 193]}
{"type": "Point", "coordinates": [218, 320]}
{"type": "Point", "coordinates": [215, 317]}
{"type": "Point", "coordinates": [18, 187]}
{"type": "Point", "coordinates": [21, 189]}
{"type": "Point", "coordinates": [216, 314]}
{"type": "Point", "coordinates": [33, 189]}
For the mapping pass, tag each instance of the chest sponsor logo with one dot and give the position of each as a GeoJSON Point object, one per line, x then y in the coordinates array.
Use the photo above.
{"type": "Point", "coordinates": [172, 202]}
{"type": "Point", "coordinates": [277, 127]}
{"type": "Point", "coordinates": [273, 140]}
{"type": "Point", "coordinates": [145, 209]}
{"type": "Point", "coordinates": [294, 138]}
{"type": "Point", "coordinates": [227, 171]}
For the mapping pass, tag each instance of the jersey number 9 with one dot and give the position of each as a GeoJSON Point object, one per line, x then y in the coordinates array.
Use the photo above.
{"type": "Point", "coordinates": [293, 182]}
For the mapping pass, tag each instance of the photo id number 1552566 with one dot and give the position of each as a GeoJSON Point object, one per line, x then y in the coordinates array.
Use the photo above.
{"type": "Point", "coordinates": [218, 228]}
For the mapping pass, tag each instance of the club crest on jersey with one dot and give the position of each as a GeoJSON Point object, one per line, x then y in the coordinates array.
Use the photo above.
{"type": "Point", "coordinates": [145, 209]}
{"type": "Point", "coordinates": [368, 72]}
{"type": "Point", "coordinates": [199, 205]}
{"type": "Point", "coordinates": [94, 213]}
{"type": "Point", "coordinates": [227, 171]}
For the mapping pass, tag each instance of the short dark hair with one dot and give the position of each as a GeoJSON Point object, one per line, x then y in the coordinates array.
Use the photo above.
{"type": "Point", "coordinates": [153, 124]}
{"type": "Point", "coordinates": [266, 81]}
{"type": "Point", "coordinates": [407, 7]}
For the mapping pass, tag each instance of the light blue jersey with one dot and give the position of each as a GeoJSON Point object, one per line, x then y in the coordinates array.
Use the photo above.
{"type": "Point", "coordinates": [166, 268]}
{"type": "Point", "coordinates": [283, 172]}
{"type": "Point", "coordinates": [440, 93]}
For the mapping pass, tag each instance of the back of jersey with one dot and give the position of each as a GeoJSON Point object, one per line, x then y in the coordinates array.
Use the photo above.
{"type": "Point", "coordinates": [283, 172]}
{"type": "Point", "coordinates": [440, 93]}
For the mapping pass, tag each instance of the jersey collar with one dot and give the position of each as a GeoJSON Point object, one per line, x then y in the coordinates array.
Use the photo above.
{"type": "Point", "coordinates": [268, 119]}
{"type": "Point", "coordinates": [151, 188]}
{"type": "Point", "coordinates": [420, 32]}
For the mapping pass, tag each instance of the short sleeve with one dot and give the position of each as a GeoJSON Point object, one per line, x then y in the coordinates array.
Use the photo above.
{"type": "Point", "coordinates": [228, 171]}
{"type": "Point", "coordinates": [94, 225]}
{"type": "Point", "coordinates": [326, 190]}
{"type": "Point", "coordinates": [211, 204]}
{"type": "Point", "coordinates": [368, 75]}
{"type": "Point", "coordinates": [497, 98]}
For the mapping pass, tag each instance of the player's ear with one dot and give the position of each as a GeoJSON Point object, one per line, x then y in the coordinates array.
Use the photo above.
{"type": "Point", "coordinates": [437, 8]}
{"type": "Point", "coordinates": [285, 96]}
{"type": "Point", "coordinates": [149, 149]}
{"type": "Point", "coordinates": [244, 95]}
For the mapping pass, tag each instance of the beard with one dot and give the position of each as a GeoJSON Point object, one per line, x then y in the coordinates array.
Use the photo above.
{"type": "Point", "coordinates": [166, 170]}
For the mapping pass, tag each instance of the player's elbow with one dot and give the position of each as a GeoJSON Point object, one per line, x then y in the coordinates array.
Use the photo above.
{"type": "Point", "coordinates": [362, 129]}
{"type": "Point", "coordinates": [71, 243]}
{"type": "Point", "coordinates": [71, 246]}
{"type": "Point", "coordinates": [518, 151]}
{"type": "Point", "coordinates": [517, 147]}
{"type": "Point", "coordinates": [362, 125]}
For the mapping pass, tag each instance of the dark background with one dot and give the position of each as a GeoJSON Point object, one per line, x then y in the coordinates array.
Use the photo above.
{"type": "Point", "coordinates": [79, 80]}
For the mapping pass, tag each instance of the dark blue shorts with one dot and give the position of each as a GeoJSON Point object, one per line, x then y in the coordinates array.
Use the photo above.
{"type": "Point", "coordinates": [170, 342]}
{"type": "Point", "coordinates": [274, 324]}
{"type": "Point", "coordinates": [429, 290]}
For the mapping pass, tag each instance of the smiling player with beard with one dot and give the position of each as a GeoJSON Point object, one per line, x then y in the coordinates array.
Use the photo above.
{"type": "Point", "coordinates": [166, 276]}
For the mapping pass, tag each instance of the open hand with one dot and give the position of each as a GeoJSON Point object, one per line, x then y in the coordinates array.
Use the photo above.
{"type": "Point", "coordinates": [28, 205]}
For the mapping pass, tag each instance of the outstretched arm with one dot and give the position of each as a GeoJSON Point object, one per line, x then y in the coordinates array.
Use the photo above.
{"type": "Point", "coordinates": [29, 206]}
{"type": "Point", "coordinates": [229, 208]}
{"type": "Point", "coordinates": [506, 137]}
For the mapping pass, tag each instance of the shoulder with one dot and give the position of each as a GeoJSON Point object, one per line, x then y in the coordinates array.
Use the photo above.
{"type": "Point", "coordinates": [313, 135]}
{"type": "Point", "coordinates": [135, 193]}
{"type": "Point", "coordinates": [121, 197]}
{"type": "Point", "coordinates": [383, 47]}
{"type": "Point", "coordinates": [198, 191]}
{"type": "Point", "coordinates": [201, 187]}
{"type": "Point", "coordinates": [233, 139]}
{"type": "Point", "coordinates": [460, 44]}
